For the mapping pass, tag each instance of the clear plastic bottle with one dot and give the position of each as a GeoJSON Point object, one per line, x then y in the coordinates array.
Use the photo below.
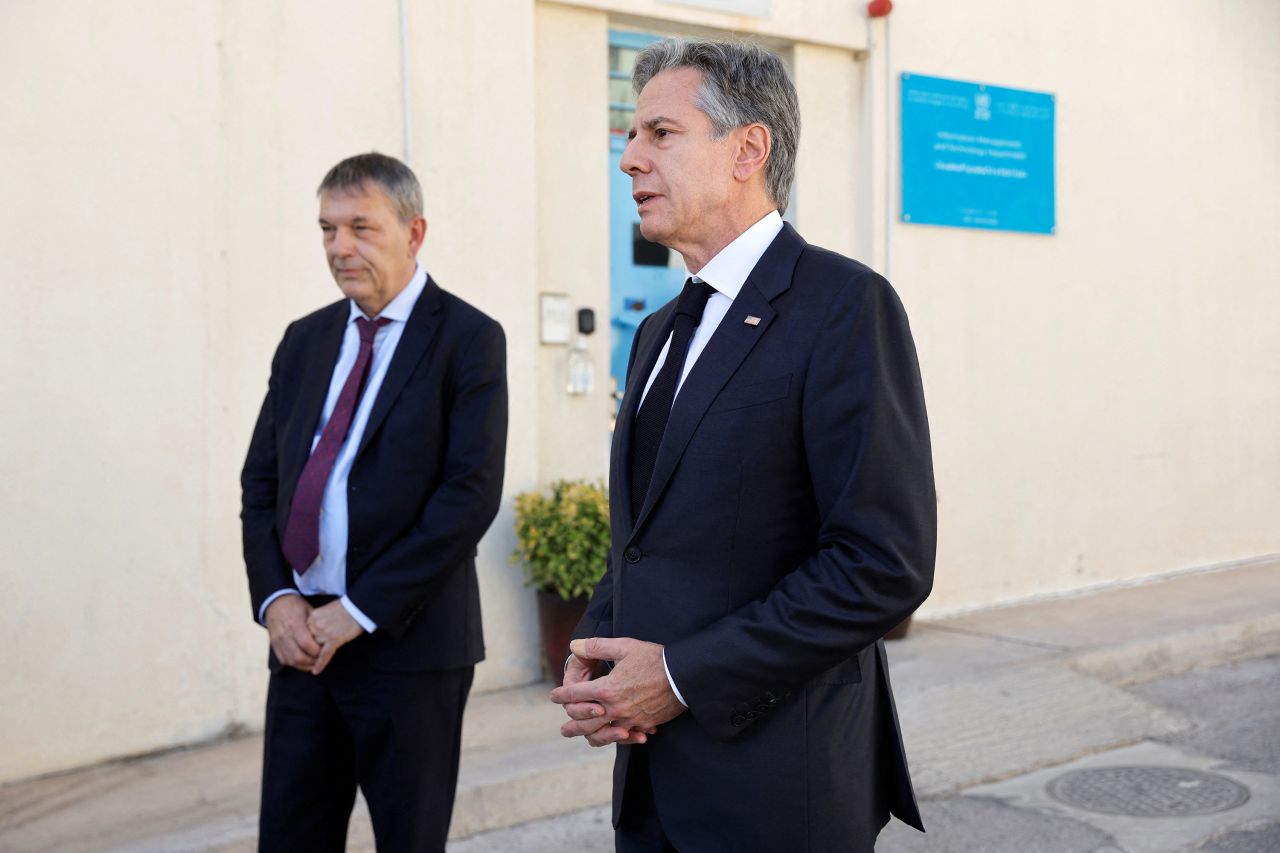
{"type": "Point", "coordinates": [582, 369]}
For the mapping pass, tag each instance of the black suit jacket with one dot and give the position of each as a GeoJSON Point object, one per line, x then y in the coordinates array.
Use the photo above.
{"type": "Point", "coordinates": [425, 484]}
{"type": "Point", "coordinates": [789, 524]}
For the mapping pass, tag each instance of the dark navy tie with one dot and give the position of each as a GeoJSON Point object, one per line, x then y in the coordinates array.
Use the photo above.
{"type": "Point", "coordinates": [651, 420]}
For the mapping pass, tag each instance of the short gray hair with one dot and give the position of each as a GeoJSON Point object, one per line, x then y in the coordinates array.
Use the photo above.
{"type": "Point", "coordinates": [395, 178]}
{"type": "Point", "coordinates": [742, 83]}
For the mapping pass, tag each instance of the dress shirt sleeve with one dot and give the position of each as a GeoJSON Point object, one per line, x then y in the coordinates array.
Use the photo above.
{"type": "Point", "coordinates": [357, 614]}
{"type": "Point", "coordinates": [262, 611]}
{"type": "Point", "coordinates": [670, 680]}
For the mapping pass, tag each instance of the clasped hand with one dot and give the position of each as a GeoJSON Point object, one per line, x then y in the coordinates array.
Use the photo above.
{"type": "Point", "coordinates": [626, 705]}
{"type": "Point", "coordinates": [306, 637]}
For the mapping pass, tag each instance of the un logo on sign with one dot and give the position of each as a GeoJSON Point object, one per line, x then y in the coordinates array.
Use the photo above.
{"type": "Point", "coordinates": [982, 106]}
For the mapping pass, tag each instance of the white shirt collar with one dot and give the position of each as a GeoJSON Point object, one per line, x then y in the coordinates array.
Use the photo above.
{"type": "Point", "coordinates": [728, 270]}
{"type": "Point", "coordinates": [401, 307]}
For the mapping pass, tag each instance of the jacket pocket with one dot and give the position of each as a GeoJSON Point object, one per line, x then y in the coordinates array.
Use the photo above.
{"type": "Point", "coordinates": [755, 394]}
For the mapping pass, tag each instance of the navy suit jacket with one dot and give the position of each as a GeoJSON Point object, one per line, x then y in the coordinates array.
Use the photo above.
{"type": "Point", "coordinates": [424, 487]}
{"type": "Point", "coordinates": [790, 523]}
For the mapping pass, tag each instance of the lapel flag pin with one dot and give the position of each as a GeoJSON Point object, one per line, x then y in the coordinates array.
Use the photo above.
{"type": "Point", "coordinates": [752, 320]}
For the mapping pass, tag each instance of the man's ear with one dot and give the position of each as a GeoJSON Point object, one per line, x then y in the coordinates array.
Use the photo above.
{"type": "Point", "coordinates": [417, 235]}
{"type": "Point", "coordinates": [754, 144]}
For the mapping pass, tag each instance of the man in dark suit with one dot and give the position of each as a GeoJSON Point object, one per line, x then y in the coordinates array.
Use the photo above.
{"type": "Point", "coordinates": [374, 469]}
{"type": "Point", "coordinates": [772, 501]}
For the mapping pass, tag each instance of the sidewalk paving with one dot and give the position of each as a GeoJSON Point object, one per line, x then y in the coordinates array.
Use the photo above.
{"type": "Point", "coordinates": [984, 697]}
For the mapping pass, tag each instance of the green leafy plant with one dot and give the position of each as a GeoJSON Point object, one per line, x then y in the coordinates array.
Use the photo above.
{"type": "Point", "coordinates": [563, 538]}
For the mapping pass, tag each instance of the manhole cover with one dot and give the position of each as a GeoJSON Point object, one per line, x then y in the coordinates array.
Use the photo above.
{"type": "Point", "coordinates": [1148, 791]}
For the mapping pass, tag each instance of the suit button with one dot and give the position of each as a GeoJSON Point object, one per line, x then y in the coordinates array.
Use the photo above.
{"type": "Point", "coordinates": [752, 715]}
{"type": "Point", "coordinates": [631, 555]}
{"type": "Point", "coordinates": [739, 720]}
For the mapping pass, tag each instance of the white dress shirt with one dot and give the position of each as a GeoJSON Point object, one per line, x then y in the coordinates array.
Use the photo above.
{"type": "Point", "coordinates": [328, 574]}
{"type": "Point", "coordinates": [726, 272]}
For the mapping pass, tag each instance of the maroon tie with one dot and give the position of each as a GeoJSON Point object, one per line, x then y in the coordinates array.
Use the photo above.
{"type": "Point", "coordinates": [302, 533]}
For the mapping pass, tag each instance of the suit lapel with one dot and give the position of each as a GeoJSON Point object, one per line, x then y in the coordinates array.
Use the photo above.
{"type": "Point", "coordinates": [652, 344]}
{"type": "Point", "coordinates": [419, 330]}
{"type": "Point", "coordinates": [314, 386]}
{"type": "Point", "coordinates": [734, 338]}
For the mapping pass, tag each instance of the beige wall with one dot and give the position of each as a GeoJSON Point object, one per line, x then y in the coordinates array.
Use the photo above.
{"type": "Point", "coordinates": [113, 224]}
{"type": "Point", "coordinates": [835, 23]}
{"type": "Point", "coordinates": [473, 108]}
{"type": "Point", "coordinates": [571, 161]}
{"type": "Point", "coordinates": [829, 199]}
{"type": "Point", "coordinates": [160, 225]}
{"type": "Point", "coordinates": [1103, 401]}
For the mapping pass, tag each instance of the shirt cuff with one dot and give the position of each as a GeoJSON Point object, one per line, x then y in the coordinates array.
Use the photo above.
{"type": "Point", "coordinates": [671, 681]}
{"type": "Point", "coordinates": [365, 622]}
{"type": "Point", "coordinates": [262, 611]}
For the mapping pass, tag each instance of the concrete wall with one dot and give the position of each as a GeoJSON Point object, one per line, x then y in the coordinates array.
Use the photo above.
{"type": "Point", "coordinates": [116, 588]}
{"type": "Point", "coordinates": [835, 23]}
{"type": "Point", "coordinates": [829, 202]}
{"type": "Point", "coordinates": [571, 162]}
{"type": "Point", "coordinates": [160, 225]}
{"type": "Point", "coordinates": [471, 149]}
{"type": "Point", "coordinates": [1103, 400]}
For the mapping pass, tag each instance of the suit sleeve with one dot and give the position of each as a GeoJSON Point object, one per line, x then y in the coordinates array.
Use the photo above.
{"type": "Point", "coordinates": [866, 441]}
{"type": "Point", "coordinates": [265, 564]}
{"type": "Point", "coordinates": [598, 619]}
{"type": "Point", "coordinates": [460, 510]}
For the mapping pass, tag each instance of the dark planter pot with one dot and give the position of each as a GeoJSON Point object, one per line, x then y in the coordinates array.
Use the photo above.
{"type": "Point", "coordinates": [899, 631]}
{"type": "Point", "coordinates": [556, 620]}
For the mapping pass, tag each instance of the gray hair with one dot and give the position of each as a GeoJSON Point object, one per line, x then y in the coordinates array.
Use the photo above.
{"type": "Point", "coordinates": [742, 84]}
{"type": "Point", "coordinates": [395, 178]}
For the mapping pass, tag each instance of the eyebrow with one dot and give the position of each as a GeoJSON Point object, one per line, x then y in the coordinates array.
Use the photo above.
{"type": "Point", "coordinates": [651, 123]}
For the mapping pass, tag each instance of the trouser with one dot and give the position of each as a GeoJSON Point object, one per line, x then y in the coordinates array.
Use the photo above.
{"type": "Point", "coordinates": [639, 828]}
{"type": "Point", "coordinates": [396, 735]}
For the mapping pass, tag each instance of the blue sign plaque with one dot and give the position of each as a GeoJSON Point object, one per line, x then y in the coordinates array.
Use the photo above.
{"type": "Point", "coordinates": [976, 156]}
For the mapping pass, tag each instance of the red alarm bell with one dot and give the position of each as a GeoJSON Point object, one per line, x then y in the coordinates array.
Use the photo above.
{"type": "Point", "coordinates": [879, 8]}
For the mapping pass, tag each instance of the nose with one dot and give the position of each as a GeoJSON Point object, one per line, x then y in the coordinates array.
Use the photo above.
{"type": "Point", "coordinates": [340, 244]}
{"type": "Point", "coordinates": [631, 162]}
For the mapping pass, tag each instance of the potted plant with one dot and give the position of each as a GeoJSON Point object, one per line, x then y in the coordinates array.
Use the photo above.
{"type": "Point", "coordinates": [563, 541]}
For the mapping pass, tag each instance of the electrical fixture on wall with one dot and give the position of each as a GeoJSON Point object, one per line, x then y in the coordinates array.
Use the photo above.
{"type": "Point", "coordinates": [555, 311]}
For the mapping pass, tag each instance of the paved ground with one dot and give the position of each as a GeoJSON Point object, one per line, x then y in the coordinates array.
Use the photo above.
{"type": "Point", "coordinates": [1181, 675]}
{"type": "Point", "coordinates": [1232, 713]}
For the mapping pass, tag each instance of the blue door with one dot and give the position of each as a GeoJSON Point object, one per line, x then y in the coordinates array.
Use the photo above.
{"type": "Point", "coordinates": [643, 276]}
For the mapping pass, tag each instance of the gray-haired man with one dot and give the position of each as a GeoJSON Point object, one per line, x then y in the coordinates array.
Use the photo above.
{"type": "Point", "coordinates": [771, 494]}
{"type": "Point", "coordinates": [375, 467]}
